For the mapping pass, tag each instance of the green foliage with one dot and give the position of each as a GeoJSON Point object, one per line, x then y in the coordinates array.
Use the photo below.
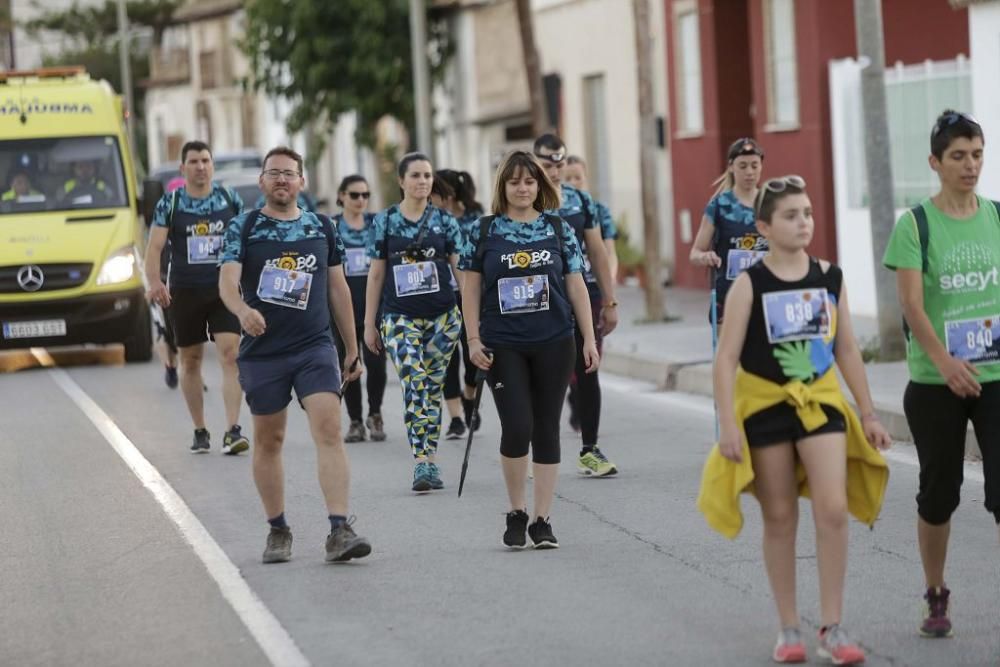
{"type": "Point", "coordinates": [628, 256]}
{"type": "Point", "coordinates": [329, 58]}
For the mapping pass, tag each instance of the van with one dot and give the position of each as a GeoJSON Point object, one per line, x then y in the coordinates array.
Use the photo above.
{"type": "Point", "coordinates": [70, 235]}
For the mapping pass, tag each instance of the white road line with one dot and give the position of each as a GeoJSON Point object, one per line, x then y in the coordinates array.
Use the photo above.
{"type": "Point", "coordinates": [273, 639]}
{"type": "Point", "coordinates": [645, 391]}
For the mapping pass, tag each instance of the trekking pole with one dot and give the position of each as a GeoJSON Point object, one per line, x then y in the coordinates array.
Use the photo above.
{"type": "Point", "coordinates": [480, 380]}
{"type": "Point", "coordinates": [345, 381]}
{"type": "Point", "coordinates": [715, 338]}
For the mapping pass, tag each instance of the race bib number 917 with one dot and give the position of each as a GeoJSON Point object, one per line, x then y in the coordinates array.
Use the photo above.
{"type": "Point", "coordinates": [284, 287]}
{"type": "Point", "coordinates": [976, 341]}
{"type": "Point", "coordinates": [416, 278]}
{"type": "Point", "coordinates": [796, 314]}
{"type": "Point", "coordinates": [523, 294]}
{"type": "Point", "coordinates": [204, 249]}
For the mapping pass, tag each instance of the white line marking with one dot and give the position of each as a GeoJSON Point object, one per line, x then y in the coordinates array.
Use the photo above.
{"type": "Point", "coordinates": [273, 639]}
{"type": "Point", "coordinates": [900, 453]}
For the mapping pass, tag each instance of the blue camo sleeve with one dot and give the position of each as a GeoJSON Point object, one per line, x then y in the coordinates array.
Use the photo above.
{"type": "Point", "coordinates": [608, 228]}
{"type": "Point", "coordinates": [467, 259]}
{"type": "Point", "coordinates": [376, 237]}
{"type": "Point", "coordinates": [712, 209]}
{"type": "Point", "coordinates": [593, 216]}
{"type": "Point", "coordinates": [572, 255]}
{"type": "Point", "coordinates": [453, 231]}
{"type": "Point", "coordinates": [237, 201]}
{"type": "Point", "coordinates": [337, 249]}
{"type": "Point", "coordinates": [162, 210]}
{"type": "Point", "coordinates": [232, 242]}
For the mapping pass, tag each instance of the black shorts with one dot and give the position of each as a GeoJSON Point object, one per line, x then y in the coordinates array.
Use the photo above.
{"type": "Point", "coordinates": [198, 311]}
{"type": "Point", "coordinates": [780, 423]}
{"type": "Point", "coordinates": [268, 382]}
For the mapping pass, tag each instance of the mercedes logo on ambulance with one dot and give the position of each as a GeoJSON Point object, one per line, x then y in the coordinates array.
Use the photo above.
{"type": "Point", "coordinates": [30, 278]}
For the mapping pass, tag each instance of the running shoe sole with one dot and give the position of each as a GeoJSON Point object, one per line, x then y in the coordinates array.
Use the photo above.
{"type": "Point", "coordinates": [267, 560]}
{"type": "Point", "coordinates": [422, 486]}
{"type": "Point", "coordinates": [936, 635]}
{"type": "Point", "coordinates": [587, 472]}
{"type": "Point", "coordinates": [454, 436]}
{"type": "Point", "coordinates": [824, 654]}
{"type": "Point", "coordinates": [515, 547]}
{"type": "Point", "coordinates": [545, 544]}
{"type": "Point", "coordinates": [200, 450]}
{"type": "Point", "coordinates": [359, 550]}
{"type": "Point", "coordinates": [378, 437]}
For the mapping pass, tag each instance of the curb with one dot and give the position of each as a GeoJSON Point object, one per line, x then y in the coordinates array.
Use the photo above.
{"type": "Point", "coordinates": [696, 378]}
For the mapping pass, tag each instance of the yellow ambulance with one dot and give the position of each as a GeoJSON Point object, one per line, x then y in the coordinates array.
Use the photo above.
{"type": "Point", "coordinates": [70, 234]}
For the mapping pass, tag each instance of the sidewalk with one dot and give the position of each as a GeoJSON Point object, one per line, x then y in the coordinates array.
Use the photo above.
{"type": "Point", "coordinates": [677, 355]}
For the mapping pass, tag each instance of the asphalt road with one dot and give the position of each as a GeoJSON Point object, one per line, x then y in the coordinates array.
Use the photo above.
{"type": "Point", "coordinates": [96, 570]}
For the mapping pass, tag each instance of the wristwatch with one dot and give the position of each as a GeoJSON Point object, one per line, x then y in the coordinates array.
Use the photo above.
{"type": "Point", "coordinates": [611, 304]}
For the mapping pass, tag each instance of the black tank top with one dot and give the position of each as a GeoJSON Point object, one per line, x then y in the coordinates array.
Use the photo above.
{"type": "Point", "coordinates": [793, 324]}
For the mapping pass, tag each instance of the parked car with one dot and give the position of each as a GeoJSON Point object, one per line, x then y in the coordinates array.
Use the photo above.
{"type": "Point", "coordinates": [237, 163]}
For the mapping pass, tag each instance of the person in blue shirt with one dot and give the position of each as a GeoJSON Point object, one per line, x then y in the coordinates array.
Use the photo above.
{"type": "Point", "coordinates": [523, 287]}
{"type": "Point", "coordinates": [579, 210]}
{"type": "Point", "coordinates": [303, 201]}
{"type": "Point", "coordinates": [411, 309]}
{"type": "Point", "coordinates": [282, 274]}
{"type": "Point", "coordinates": [353, 227]}
{"type": "Point", "coordinates": [728, 241]}
{"type": "Point", "coordinates": [193, 218]}
{"type": "Point", "coordinates": [459, 198]}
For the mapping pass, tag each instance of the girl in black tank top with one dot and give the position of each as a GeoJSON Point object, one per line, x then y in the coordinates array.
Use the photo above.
{"type": "Point", "coordinates": [787, 323]}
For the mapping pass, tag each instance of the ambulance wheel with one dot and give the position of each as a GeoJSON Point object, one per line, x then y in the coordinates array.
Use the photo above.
{"type": "Point", "coordinates": [139, 347]}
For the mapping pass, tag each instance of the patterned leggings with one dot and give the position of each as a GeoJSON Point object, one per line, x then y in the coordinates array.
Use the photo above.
{"type": "Point", "coordinates": [421, 349]}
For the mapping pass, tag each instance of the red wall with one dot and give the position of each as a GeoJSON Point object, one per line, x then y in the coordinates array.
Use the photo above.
{"type": "Point", "coordinates": [825, 31]}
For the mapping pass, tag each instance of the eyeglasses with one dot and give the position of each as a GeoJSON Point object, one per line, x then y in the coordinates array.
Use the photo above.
{"type": "Point", "coordinates": [950, 119]}
{"type": "Point", "coordinates": [552, 158]}
{"type": "Point", "coordinates": [284, 173]}
{"type": "Point", "coordinates": [359, 195]}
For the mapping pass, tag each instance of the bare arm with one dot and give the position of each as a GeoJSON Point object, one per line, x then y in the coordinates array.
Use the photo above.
{"type": "Point", "coordinates": [609, 245]}
{"type": "Point", "coordinates": [459, 274]}
{"type": "Point", "coordinates": [157, 291]}
{"type": "Point", "coordinates": [959, 375]}
{"type": "Point", "coordinates": [739, 302]}
{"type": "Point", "coordinates": [373, 299]}
{"type": "Point", "coordinates": [229, 291]}
{"type": "Point", "coordinates": [471, 304]}
{"type": "Point", "coordinates": [852, 366]}
{"type": "Point", "coordinates": [342, 307]}
{"type": "Point", "coordinates": [702, 253]}
{"type": "Point", "coordinates": [579, 297]}
{"type": "Point", "coordinates": [598, 256]}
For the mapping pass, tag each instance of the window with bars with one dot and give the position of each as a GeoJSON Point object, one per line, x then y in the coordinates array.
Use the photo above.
{"type": "Point", "coordinates": [687, 41]}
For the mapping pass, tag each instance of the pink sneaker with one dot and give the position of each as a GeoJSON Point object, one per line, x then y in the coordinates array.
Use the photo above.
{"type": "Point", "coordinates": [936, 622]}
{"type": "Point", "coordinates": [789, 648]}
{"type": "Point", "coordinates": [836, 646]}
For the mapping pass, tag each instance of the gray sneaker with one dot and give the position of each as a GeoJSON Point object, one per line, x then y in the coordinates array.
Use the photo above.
{"type": "Point", "coordinates": [279, 546]}
{"type": "Point", "coordinates": [376, 427]}
{"type": "Point", "coordinates": [355, 433]}
{"type": "Point", "coordinates": [234, 442]}
{"type": "Point", "coordinates": [202, 442]}
{"type": "Point", "coordinates": [343, 544]}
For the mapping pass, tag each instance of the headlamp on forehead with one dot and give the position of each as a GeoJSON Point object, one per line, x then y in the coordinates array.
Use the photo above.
{"type": "Point", "coordinates": [554, 158]}
{"type": "Point", "coordinates": [742, 147]}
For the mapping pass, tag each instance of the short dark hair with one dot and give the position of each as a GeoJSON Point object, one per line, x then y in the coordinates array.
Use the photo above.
{"type": "Point", "coordinates": [196, 146]}
{"type": "Point", "coordinates": [463, 185]}
{"type": "Point", "coordinates": [951, 125]}
{"type": "Point", "coordinates": [408, 159]}
{"type": "Point", "coordinates": [550, 141]}
{"type": "Point", "coordinates": [774, 190]}
{"type": "Point", "coordinates": [347, 182]}
{"type": "Point", "coordinates": [287, 152]}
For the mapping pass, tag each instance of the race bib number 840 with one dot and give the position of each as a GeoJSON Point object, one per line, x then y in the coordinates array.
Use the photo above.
{"type": "Point", "coordinates": [796, 314]}
{"type": "Point", "coordinates": [976, 341]}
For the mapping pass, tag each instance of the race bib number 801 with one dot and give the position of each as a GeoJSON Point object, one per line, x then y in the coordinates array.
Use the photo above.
{"type": "Point", "coordinates": [416, 278]}
{"type": "Point", "coordinates": [796, 314]}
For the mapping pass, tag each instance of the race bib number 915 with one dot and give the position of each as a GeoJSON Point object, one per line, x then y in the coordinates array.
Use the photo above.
{"type": "Point", "coordinates": [976, 341]}
{"type": "Point", "coordinates": [284, 287]}
{"type": "Point", "coordinates": [204, 249]}
{"type": "Point", "coordinates": [523, 294]}
{"type": "Point", "coordinates": [416, 278]}
{"type": "Point", "coordinates": [796, 314]}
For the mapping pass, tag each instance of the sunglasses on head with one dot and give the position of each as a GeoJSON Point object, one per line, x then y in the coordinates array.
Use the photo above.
{"type": "Point", "coordinates": [781, 183]}
{"type": "Point", "coordinates": [950, 119]}
{"type": "Point", "coordinates": [553, 158]}
{"type": "Point", "coordinates": [359, 195]}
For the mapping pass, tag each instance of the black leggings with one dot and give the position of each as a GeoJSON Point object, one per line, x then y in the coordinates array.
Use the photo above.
{"type": "Point", "coordinates": [528, 386]}
{"type": "Point", "coordinates": [375, 370]}
{"type": "Point", "coordinates": [586, 396]}
{"type": "Point", "coordinates": [938, 420]}
{"type": "Point", "coordinates": [451, 384]}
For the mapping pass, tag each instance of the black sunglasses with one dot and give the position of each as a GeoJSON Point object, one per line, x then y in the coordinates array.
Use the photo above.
{"type": "Point", "coordinates": [359, 195]}
{"type": "Point", "coordinates": [950, 119]}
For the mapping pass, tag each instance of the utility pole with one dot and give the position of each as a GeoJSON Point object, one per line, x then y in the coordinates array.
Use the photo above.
{"type": "Point", "coordinates": [647, 158]}
{"type": "Point", "coordinates": [532, 67]}
{"type": "Point", "coordinates": [871, 53]}
{"type": "Point", "coordinates": [126, 70]}
{"type": "Point", "coordinates": [421, 77]}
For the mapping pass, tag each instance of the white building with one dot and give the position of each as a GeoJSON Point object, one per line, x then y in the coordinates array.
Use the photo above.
{"type": "Point", "coordinates": [984, 35]}
{"type": "Point", "coordinates": [28, 50]}
{"type": "Point", "coordinates": [587, 54]}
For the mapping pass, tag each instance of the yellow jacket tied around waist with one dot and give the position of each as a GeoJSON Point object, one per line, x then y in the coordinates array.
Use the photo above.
{"type": "Point", "coordinates": [722, 480]}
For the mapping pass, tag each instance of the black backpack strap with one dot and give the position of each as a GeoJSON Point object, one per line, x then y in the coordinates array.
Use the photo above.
{"type": "Point", "coordinates": [248, 224]}
{"type": "Point", "coordinates": [484, 231]}
{"type": "Point", "coordinates": [229, 199]}
{"type": "Point", "coordinates": [923, 231]}
{"type": "Point", "coordinates": [329, 230]}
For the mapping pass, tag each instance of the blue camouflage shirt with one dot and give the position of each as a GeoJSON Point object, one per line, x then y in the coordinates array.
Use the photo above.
{"type": "Point", "coordinates": [266, 228]}
{"type": "Point", "coordinates": [392, 222]}
{"type": "Point", "coordinates": [608, 228]}
{"type": "Point", "coordinates": [215, 201]}
{"type": "Point", "coordinates": [523, 233]}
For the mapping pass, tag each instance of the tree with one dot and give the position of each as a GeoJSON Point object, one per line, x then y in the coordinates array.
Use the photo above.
{"type": "Point", "coordinates": [647, 142]}
{"type": "Point", "coordinates": [329, 58]}
{"type": "Point", "coordinates": [532, 67]}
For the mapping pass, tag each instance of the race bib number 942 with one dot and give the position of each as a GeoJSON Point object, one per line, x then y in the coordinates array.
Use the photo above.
{"type": "Point", "coordinates": [284, 287]}
{"type": "Point", "coordinates": [976, 341]}
{"type": "Point", "coordinates": [204, 249]}
{"type": "Point", "coordinates": [523, 294]}
{"type": "Point", "coordinates": [796, 314]}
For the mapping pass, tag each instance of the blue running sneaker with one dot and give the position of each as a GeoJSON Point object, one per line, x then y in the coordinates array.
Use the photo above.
{"type": "Point", "coordinates": [422, 480]}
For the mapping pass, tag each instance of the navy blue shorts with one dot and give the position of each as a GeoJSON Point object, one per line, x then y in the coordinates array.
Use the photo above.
{"type": "Point", "coordinates": [268, 382]}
